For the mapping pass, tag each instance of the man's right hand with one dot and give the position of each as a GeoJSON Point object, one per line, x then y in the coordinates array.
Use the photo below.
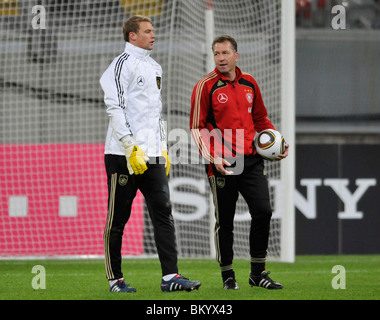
{"type": "Point", "coordinates": [219, 164]}
{"type": "Point", "coordinates": [136, 158]}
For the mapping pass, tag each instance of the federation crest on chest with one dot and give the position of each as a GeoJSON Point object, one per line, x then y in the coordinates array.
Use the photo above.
{"type": "Point", "coordinates": [249, 96]}
{"type": "Point", "coordinates": [158, 81]}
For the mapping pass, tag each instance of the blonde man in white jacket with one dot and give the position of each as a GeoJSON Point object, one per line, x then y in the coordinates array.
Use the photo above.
{"type": "Point", "coordinates": [136, 155]}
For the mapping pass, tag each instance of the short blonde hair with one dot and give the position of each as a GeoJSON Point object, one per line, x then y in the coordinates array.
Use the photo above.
{"type": "Point", "coordinates": [133, 25]}
{"type": "Point", "coordinates": [224, 38]}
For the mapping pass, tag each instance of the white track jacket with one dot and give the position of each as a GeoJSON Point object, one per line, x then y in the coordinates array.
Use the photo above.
{"type": "Point", "coordinates": [132, 93]}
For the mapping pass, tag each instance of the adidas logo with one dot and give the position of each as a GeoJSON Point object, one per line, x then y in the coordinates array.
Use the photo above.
{"type": "Point", "coordinates": [175, 286]}
{"type": "Point", "coordinates": [115, 288]}
{"type": "Point", "coordinates": [264, 283]}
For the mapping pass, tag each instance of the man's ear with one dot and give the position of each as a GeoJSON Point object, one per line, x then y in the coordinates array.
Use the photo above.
{"type": "Point", "coordinates": [132, 36]}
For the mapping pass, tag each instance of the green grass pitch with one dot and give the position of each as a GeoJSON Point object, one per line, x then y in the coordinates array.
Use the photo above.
{"type": "Point", "coordinates": [309, 278]}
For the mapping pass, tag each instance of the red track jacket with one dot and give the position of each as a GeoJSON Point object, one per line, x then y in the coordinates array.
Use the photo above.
{"type": "Point", "coordinates": [225, 115]}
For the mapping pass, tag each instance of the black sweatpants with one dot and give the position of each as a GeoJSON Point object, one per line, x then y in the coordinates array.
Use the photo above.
{"type": "Point", "coordinates": [252, 183]}
{"type": "Point", "coordinates": [122, 189]}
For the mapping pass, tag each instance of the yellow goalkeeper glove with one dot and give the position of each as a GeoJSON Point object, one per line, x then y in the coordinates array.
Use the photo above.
{"type": "Point", "coordinates": [167, 161]}
{"type": "Point", "coordinates": [164, 152]}
{"type": "Point", "coordinates": [136, 158]}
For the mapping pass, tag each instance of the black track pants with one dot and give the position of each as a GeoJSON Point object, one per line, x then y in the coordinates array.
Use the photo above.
{"type": "Point", "coordinates": [253, 185]}
{"type": "Point", "coordinates": [122, 189]}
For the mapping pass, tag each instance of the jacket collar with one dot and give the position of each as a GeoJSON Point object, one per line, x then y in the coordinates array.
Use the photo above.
{"type": "Point", "coordinates": [137, 51]}
{"type": "Point", "coordinates": [238, 74]}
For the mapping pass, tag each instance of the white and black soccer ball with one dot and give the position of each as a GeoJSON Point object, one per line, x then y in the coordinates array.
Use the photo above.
{"type": "Point", "coordinates": [269, 144]}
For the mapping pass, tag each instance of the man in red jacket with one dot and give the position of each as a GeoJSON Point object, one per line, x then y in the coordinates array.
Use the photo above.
{"type": "Point", "coordinates": [226, 110]}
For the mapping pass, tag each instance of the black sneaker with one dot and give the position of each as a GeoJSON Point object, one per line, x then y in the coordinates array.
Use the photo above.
{"type": "Point", "coordinates": [264, 281]}
{"type": "Point", "coordinates": [230, 284]}
{"type": "Point", "coordinates": [179, 283]}
{"type": "Point", "coordinates": [121, 286]}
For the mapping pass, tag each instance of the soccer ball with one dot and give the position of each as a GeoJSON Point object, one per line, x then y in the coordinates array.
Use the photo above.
{"type": "Point", "coordinates": [269, 144]}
